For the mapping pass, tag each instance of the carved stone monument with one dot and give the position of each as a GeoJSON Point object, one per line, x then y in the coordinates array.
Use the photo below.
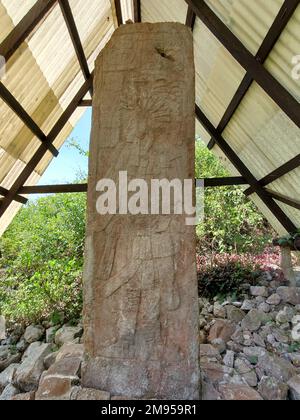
{"type": "Point", "coordinates": [140, 286]}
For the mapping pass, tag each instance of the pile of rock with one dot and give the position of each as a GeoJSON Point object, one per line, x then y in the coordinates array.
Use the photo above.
{"type": "Point", "coordinates": [251, 349]}
{"type": "Point", "coordinates": [29, 359]}
{"type": "Point", "coordinates": [45, 364]}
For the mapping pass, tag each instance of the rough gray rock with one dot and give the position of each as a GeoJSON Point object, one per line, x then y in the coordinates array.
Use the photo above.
{"type": "Point", "coordinates": [271, 389]}
{"type": "Point", "coordinates": [252, 321]}
{"type": "Point", "coordinates": [259, 291]}
{"type": "Point", "coordinates": [29, 372]}
{"type": "Point", "coordinates": [289, 294]}
{"type": "Point", "coordinates": [9, 392]}
{"type": "Point", "coordinates": [274, 300]}
{"type": "Point", "coordinates": [68, 334]}
{"type": "Point", "coordinates": [6, 377]}
{"type": "Point", "coordinates": [294, 385]}
{"type": "Point", "coordinates": [50, 334]}
{"type": "Point", "coordinates": [277, 367]}
{"type": "Point", "coordinates": [33, 333]}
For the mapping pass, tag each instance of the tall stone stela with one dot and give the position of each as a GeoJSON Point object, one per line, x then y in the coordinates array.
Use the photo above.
{"type": "Point", "coordinates": [140, 285]}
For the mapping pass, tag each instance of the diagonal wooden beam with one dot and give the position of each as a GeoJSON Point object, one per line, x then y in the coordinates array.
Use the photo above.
{"type": "Point", "coordinates": [283, 199]}
{"type": "Point", "coordinates": [190, 18]}
{"type": "Point", "coordinates": [74, 34]}
{"type": "Point", "coordinates": [244, 171]}
{"type": "Point", "coordinates": [54, 189]}
{"type": "Point", "coordinates": [224, 181]}
{"type": "Point", "coordinates": [18, 198]}
{"type": "Point", "coordinates": [17, 108]}
{"type": "Point", "coordinates": [283, 17]}
{"type": "Point", "coordinates": [255, 69]}
{"type": "Point", "coordinates": [119, 12]}
{"type": "Point", "coordinates": [86, 103]}
{"type": "Point", "coordinates": [137, 11]}
{"type": "Point", "coordinates": [24, 28]}
{"type": "Point", "coordinates": [42, 150]}
{"type": "Point", "coordinates": [277, 173]}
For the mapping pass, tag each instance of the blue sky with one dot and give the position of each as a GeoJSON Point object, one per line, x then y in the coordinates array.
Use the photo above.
{"type": "Point", "coordinates": [69, 163]}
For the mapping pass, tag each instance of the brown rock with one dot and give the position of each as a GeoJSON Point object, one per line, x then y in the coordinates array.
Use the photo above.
{"type": "Point", "coordinates": [88, 394]}
{"type": "Point", "coordinates": [289, 295]}
{"type": "Point", "coordinates": [141, 301]}
{"type": "Point", "coordinates": [232, 392]}
{"type": "Point", "coordinates": [294, 385]}
{"type": "Point", "coordinates": [69, 366]}
{"type": "Point", "coordinates": [221, 329]}
{"type": "Point", "coordinates": [70, 350]}
{"type": "Point", "coordinates": [273, 390]}
{"type": "Point", "coordinates": [54, 388]}
{"type": "Point", "coordinates": [29, 396]}
{"type": "Point", "coordinates": [29, 372]}
{"type": "Point", "coordinates": [215, 372]}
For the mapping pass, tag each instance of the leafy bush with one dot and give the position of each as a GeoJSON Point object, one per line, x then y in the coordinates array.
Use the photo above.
{"type": "Point", "coordinates": [42, 257]}
{"type": "Point", "coordinates": [226, 276]}
{"type": "Point", "coordinates": [232, 223]}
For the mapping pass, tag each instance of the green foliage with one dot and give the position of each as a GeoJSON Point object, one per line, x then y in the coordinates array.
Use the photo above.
{"type": "Point", "coordinates": [226, 277]}
{"type": "Point", "coordinates": [232, 222]}
{"type": "Point", "coordinates": [42, 258]}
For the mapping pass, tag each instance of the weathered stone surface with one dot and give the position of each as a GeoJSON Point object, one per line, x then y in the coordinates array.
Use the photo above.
{"type": "Point", "coordinates": [33, 333]}
{"type": "Point", "coordinates": [252, 321]}
{"type": "Point", "coordinates": [141, 303]}
{"type": "Point", "coordinates": [209, 392]}
{"type": "Point", "coordinates": [88, 394]}
{"type": "Point", "coordinates": [57, 387]}
{"type": "Point", "coordinates": [6, 377]}
{"type": "Point", "coordinates": [294, 385]}
{"type": "Point", "coordinates": [221, 329]}
{"type": "Point", "coordinates": [29, 372]}
{"type": "Point", "coordinates": [215, 372]}
{"type": "Point", "coordinates": [69, 366]}
{"type": "Point", "coordinates": [70, 350]}
{"type": "Point", "coordinates": [228, 359]}
{"type": "Point", "coordinates": [50, 360]}
{"type": "Point", "coordinates": [231, 392]}
{"type": "Point", "coordinates": [9, 360]}
{"type": "Point", "coordinates": [271, 389]}
{"type": "Point", "coordinates": [289, 295]}
{"type": "Point", "coordinates": [50, 334]}
{"type": "Point", "coordinates": [28, 396]}
{"type": "Point", "coordinates": [68, 335]}
{"type": "Point", "coordinates": [277, 367]}
{"type": "Point", "coordinates": [234, 314]}
{"type": "Point", "coordinates": [259, 291]}
{"type": "Point", "coordinates": [274, 299]}
{"type": "Point", "coordinates": [209, 353]}
{"type": "Point", "coordinates": [9, 392]}
{"type": "Point", "coordinates": [2, 328]}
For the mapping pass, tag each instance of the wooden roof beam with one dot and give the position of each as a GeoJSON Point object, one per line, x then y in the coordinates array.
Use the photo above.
{"type": "Point", "coordinates": [24, 28]}
{"type": "Point", "coordinates": [74, 34]}
{"type": "Point", "coordinates": [277, 173]}
{"type": "Point", "coordinates": [245, 172]}
{"type": "Point", "coordinates": [137, 11]}
{"type": "Point", "coordinates": [39, 154]}
{"type": "Point", "coordinates": [54, 189]}
{"type": "Point", "coordinates": [256, 70]}
{"type": "Point", "coordinates": [190, 18]}
{"type": "Point", "coordinates": [283, 17]}
{"type": "Point", "coordinates": [119, 12]}
{"type": "Point", "coordinates": [18, 198]}
{"type": "Point", "coordinates": [17, 108]}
